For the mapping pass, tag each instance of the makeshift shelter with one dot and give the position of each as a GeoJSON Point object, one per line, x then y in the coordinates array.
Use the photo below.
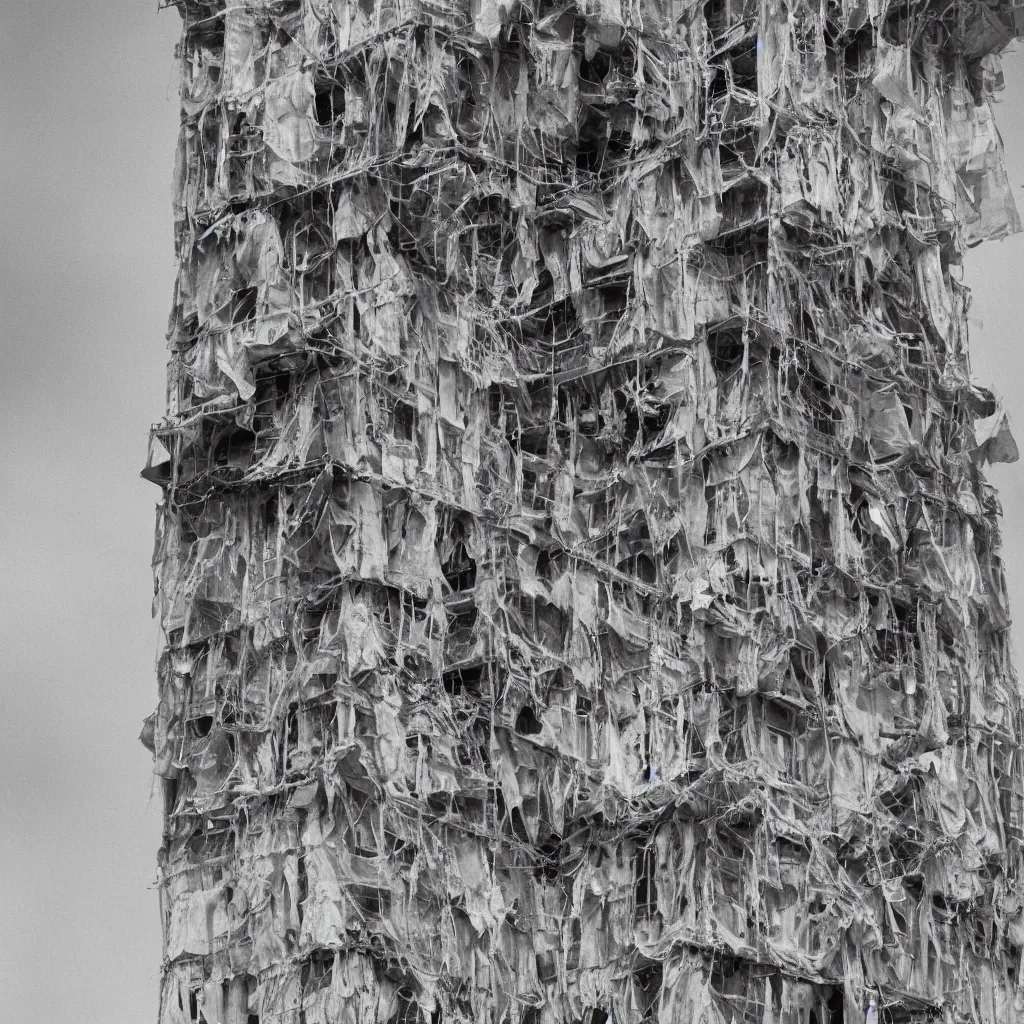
{"type": "Point", "coordinates": [581, 593]}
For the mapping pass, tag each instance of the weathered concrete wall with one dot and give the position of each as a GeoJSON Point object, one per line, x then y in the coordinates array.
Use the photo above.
{"type": "Point", "coordinates": [581, 594]}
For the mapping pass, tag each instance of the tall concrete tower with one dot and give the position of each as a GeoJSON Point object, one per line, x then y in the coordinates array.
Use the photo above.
{"type": "Point", "coordinates": [581, 594]}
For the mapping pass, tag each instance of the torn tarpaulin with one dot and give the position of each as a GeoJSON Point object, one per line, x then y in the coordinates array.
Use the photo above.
{"type": "Point", "coordinates": [581, 597]}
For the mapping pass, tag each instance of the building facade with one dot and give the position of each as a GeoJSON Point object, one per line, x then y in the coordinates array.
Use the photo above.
{"type": "Point", "coordinates": [581, 593]}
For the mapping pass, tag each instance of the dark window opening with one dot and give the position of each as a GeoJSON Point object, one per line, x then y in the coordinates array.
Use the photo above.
{"type": "Point", "coordinates": [548, 867]}
{"type": "Point", "coordinates": [413, 608]}
{"type": "Point", "coordinates": [405, 422]}
{"type": "Point", "coordinates": [594, 70]}
{"type": "Point", "coordinates": [303, 887]}
{"type": "Point", "coordinates": [233, 445]}
{"type": "Point", "coordinates": [322, 681]}
{"type": "Point", "coordinates": [464, 680]}
{"type": "Point", "coordinates": [544, 564]}
{"type": "Point", "coordinates": [645, 569]}
{"type": "Point", "coordinates": [464, 71]}
{"type": "Point", "coordinates": [170, 795]}
{"type": "Point", "coordinates": [193, 1004]}
{"type": "Point", "coordinates": [614, 300]}
{"type": "Point", "coordinates": [590, 147]}
{"type": "Point", "coordinates": [462, 622]}
{"type": "Point", "coordinates": [499, 802]}
{"type": "Point", "coordinates": [329, 104]}
{"type": "Point", "coordinates": [721, 15]}
{"type": "Point", "coordinates": [243, 308]}
{"type": "Point", "coordinates": [459, 568]}
{"type": "Point", "coordinates": [744, 206]}
{"type": "Point", "coordinates": [1012, 962]}
{"type": "Point", "coordinates": [202, 725]}
{"type": "Point", "coordinates": [726, 348]}
{"type": "Point", "coordinates": [290, 735]}
{"type": "Point", "coordinates": [859, 55]}
{"type": "Point", "coordinates": [589, 418]}
{"type": "Point", "coordinates": [695, 743]}
{"type": "Point", "coordinates": [748, 246]}
{"type": "Point", "coordinates": [513, 36]}
{"type": "Point", "coordinates": [836, 1007]}
{"type": "Point", "coordinates": [743, 63]}
{"type": "Point", "coordinates": [547, 968]}
{"type": "Point", "coordinates": [495, 403]}
{"type": "Point", "coordinates": [646, 891]}
{"type": "Point", "coordinates": [620, 141]}
{"type": "Point", "coordinates": [209, 34]}
{"type": "Point", "coordinates": [649, 980]}
{"type": "Point", "coordinates": [719, 86]}
{"type": "Point", "coordinates": [572, 959]}
{"type": "Point", "coordinates": [519, 829]}
{"type": "Point", "coordinates": [527, 723]}
{"type": "Point", "coordinates": [828, 689]}
{"type": "Point", "coordinates": [407, 1011]}
{"type": "Point", "coordinates": [626, 405]}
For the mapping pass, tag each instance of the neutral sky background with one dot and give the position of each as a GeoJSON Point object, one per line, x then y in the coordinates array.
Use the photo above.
{"type": "Point", "coordinates": [88, 123]}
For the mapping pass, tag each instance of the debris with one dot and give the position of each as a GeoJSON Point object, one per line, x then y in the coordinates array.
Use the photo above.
{"type": "Point", "coordinates": [581, 596]}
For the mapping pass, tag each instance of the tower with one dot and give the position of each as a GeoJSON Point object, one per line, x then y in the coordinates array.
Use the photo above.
{"type": "Point", "coordinates": [581, 594]}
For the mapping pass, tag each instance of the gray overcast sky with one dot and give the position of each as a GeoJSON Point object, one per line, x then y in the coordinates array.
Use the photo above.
{"type": "Point", "coordinates": [88, 118]}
